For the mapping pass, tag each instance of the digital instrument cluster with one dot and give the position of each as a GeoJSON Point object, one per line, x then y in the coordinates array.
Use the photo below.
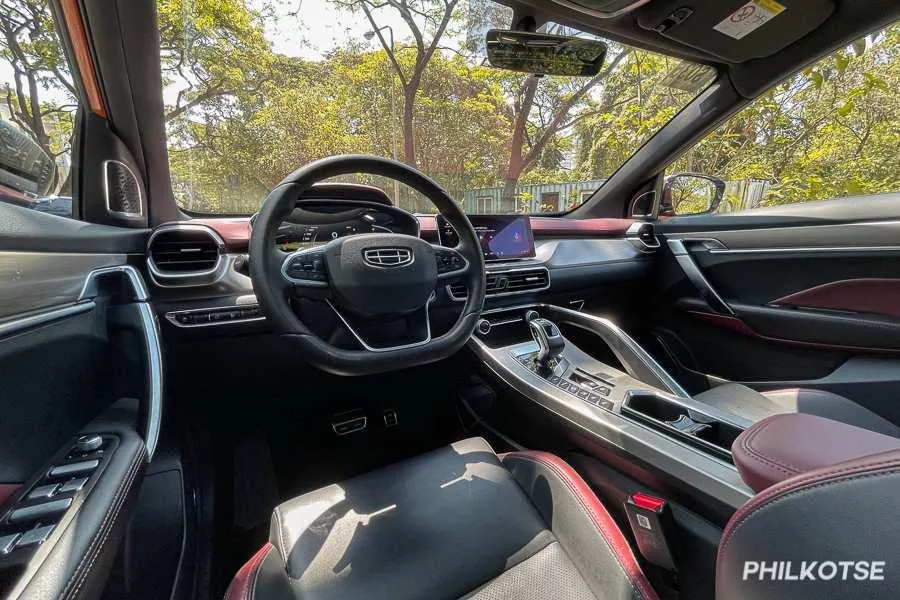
{"type": "Point", "coordinates": [313, 224]}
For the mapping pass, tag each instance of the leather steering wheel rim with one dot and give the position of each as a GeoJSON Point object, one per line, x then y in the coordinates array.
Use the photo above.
{"type": "Point", "coordinates": [266, 262]}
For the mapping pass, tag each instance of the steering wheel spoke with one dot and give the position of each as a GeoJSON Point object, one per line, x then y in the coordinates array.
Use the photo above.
{"type": "Point", "coordinates": [304, 270]}
{"type": "Point", "coordinates": [450, 263]}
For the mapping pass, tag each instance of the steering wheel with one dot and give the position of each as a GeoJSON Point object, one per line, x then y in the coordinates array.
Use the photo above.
{"type": "Point", "coordinates": [375, 276]}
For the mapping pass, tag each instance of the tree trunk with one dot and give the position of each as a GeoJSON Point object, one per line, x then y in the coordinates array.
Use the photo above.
{"type": "Point", "coordinates": [409, 142]}
{"type": "Point", "coordinates": [509, 189]}
{"type": "Point", "coordinates": [516, 163]}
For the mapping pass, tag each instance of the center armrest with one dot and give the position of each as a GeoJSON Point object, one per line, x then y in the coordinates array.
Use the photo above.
{"type": "Point", "coordinates": [782, 446]}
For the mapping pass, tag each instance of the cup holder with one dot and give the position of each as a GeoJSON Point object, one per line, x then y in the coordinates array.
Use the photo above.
{"type": "Point", "coordinates": [696, 428]}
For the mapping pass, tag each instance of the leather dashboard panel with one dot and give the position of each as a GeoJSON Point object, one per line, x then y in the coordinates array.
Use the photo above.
{"type": "Point", "coordinates": [235, 231]}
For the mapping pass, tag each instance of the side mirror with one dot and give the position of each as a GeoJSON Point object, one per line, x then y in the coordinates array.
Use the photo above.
{"type": "Point", "coordinates": [691, 194]}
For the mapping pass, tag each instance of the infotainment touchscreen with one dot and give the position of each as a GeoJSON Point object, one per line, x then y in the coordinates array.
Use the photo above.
{"type": "Point", "coordinates": [503, 237]}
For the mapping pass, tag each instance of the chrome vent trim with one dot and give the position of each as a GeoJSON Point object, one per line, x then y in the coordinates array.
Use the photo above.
{"type": "Point", "coordinates": [188, 261]}
{"type": "Point", "coordinates": [507, 282]}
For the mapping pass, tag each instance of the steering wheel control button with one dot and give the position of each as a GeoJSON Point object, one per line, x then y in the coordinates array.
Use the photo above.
{"type": "Point", "coordinates": [73, 485]}
{"type": "Point", "coordinates": [7, 542]}
{"type": "Point", "coordinates": [76, 468]}
{"type": "Point", "coordinates": [38, 535]}
{"type": "Point", "coordinates": [305, 267]}
{"type": "Point", "coordinates": [37, 512]}
{"type": "Point", "coordinates": [448, 261]}
{"type": "Point", "coordinates": [42, 491]}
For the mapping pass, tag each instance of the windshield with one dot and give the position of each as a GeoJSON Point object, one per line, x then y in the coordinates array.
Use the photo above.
{"type": "Point", "coordinates": [255, 89]}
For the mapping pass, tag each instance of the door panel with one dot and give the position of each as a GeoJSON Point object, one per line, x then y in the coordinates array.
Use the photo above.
{"type": "Point", "coordinates": [777, 304]}
{"type": "Point", "coordinates": [79, 355]}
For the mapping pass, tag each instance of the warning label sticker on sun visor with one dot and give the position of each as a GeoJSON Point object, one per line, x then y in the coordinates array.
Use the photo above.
{"type": "Point", "coordinates": [749, 17]}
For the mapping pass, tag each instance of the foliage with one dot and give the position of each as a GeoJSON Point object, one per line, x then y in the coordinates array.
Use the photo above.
{"type": "Point", "coordinates": [240, 116]}
{"type": "Point", "coordinates": [828, 131]}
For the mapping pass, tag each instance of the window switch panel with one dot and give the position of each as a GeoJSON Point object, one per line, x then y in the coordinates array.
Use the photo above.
{"type": "Point", "coordinates": [73, 485]}
{"type": "Point", "coordinates": [7, 542]}
{"type": "Point", "coordinates": [39, 511]}
{"type": "Point", "coordinates": [43, 491]}
{"type": "Point", "coordinates": [76, 468]}
{"type": "Point", "coordinates": [38, 535]}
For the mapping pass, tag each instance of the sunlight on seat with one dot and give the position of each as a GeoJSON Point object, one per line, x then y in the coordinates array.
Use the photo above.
{"type": "Point", "coordinates": [481, 470]}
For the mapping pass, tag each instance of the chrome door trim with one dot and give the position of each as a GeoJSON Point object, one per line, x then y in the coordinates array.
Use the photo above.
{"type": "Point", "coordinates": [696, 277]}
{"type": "Point", "coordinates": [89, 289]}
{"type": "Point", "coordinates": [43, 317]}
{"type": "Point", "coordinates": [152, 345]}
{"type": "Point", "coordinates": [803, 249]}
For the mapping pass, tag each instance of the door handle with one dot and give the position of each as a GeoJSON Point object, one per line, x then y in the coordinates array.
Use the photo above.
{"type": "Point", "coordinates": [696, 277]}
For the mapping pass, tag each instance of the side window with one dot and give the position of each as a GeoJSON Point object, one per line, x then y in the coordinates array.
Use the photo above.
{"type": "Point", "coordinates": [829, 131]}
{"type": "Point", "coordinates": [37, 110]}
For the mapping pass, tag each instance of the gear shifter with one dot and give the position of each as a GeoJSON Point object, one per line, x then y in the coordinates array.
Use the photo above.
{"type": "Point", "coordinates": [550, 343]}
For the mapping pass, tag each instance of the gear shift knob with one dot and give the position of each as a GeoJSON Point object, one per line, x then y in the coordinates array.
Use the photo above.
{"type": "Point", "coordinates": [549, 340]}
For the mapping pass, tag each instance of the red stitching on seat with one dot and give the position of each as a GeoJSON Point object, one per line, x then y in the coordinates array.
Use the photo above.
{"type": "Point", "coordinates": [242, 585]}
{"type": "Point", "coordinates": [599, 515]}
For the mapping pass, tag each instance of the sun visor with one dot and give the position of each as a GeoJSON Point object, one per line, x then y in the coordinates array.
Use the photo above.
{"type": "Point", "coordinates": [736, 30]}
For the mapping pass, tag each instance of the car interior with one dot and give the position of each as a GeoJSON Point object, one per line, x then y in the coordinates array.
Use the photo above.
{"type": "Point", "coordinates": [337, 396]}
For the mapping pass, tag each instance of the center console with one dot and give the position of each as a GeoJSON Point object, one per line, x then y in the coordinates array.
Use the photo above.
{"type": "Point", "coordinates": [626, 401]}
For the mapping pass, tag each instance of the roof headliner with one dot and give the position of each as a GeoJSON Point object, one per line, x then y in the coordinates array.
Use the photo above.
{"type": "Point", "coordinates": [848, 21]}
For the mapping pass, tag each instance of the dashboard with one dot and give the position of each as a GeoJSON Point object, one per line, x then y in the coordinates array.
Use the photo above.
{"type": "Point", "coordinates": [315, 223]}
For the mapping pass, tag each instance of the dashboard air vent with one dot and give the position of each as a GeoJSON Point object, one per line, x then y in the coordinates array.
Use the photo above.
{"type": "Point", "coordinates": [508, 282]}
{"type": "Point", "coordinates": [184, 250]}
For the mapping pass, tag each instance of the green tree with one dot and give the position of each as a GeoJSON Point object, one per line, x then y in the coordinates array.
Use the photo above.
{"type": "Point", "coordinates": [32, 49]}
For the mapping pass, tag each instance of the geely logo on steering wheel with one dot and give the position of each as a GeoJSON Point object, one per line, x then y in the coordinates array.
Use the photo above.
{"type": "Point", "coordinates": [388, 257]}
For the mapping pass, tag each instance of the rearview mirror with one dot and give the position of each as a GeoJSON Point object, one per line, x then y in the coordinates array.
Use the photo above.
{"type": "Point", "coordinates": [691, 194]}
{"type": "Point", "coordinates": [543, 53]}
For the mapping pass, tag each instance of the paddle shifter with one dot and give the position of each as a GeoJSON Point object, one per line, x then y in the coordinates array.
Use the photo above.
{"type": "Point", "coordinates": [549, 340]}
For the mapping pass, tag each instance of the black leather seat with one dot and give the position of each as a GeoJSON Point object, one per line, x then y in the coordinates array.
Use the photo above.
{"type": "Point", "coordinates": [459, 522]}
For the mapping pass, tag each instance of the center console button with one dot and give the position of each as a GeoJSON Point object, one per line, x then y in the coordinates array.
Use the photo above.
{"type": "Point", "coordinates": [602, 390]}
{"type": "Point", "coordinates": [583, 394]}
{"type": "Point", "coordinates": [39, 511]}
{"type": "Point", "coordinates": [554, 379]}
{"type": "Point", "coordinates": [37, 535]}
{"type": "Point", "coordinates": [7, 542]}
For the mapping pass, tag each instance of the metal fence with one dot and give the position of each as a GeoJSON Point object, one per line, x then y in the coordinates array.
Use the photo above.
{"type": "Point", "coordinates": [740, 194]}
{"type": "Point", "coordinates": [744, 194]}
{"type": "Point", "coordinates": [547, 197]}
